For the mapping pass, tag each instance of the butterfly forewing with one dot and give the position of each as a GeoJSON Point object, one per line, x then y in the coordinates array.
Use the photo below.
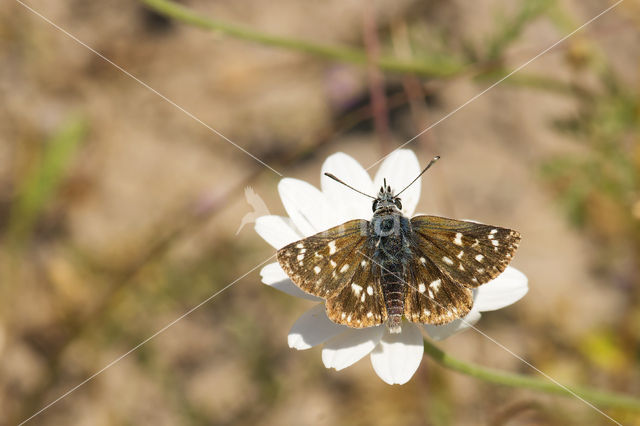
{"type": "Point", "coordinates": [360, 303]}
{"type": "Point", "coordinates": [324, 263]}
{"type": "Point", "coordinates": [468, 252]}
{"type": "Point", "coordinates": [433, 297]}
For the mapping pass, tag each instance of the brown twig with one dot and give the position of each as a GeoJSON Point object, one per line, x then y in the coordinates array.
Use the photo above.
{"type": "Point", "coordinates": [376, 79]}
{"type": "Point", "coordinates": [415, 92]}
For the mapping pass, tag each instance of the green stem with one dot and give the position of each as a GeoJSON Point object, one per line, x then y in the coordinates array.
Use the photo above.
{"type": "Point", "coordinates": [434, 67]}
{"type": "Point", "coordinates": [532, 81]}
{"type": "Point", "coordinates": [596, 397]}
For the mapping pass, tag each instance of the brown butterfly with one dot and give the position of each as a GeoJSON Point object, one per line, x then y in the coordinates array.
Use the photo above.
{"type": "Point", "coordinates": [372, 272]}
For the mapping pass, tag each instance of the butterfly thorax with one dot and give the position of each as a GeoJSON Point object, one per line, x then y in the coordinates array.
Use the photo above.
{"type": "Point", "coordinates": [389, 231]}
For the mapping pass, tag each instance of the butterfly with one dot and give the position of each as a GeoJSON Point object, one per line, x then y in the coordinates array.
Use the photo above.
{"type": "Point", "coordinates": [379, 271]}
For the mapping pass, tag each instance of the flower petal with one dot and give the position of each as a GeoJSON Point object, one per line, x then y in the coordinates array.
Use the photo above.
{"type": "Point", "coordinates": [306, 206]}
{"type": "Point", "coordinates": [398, 356]}
{"type": "Point", "coordinates": [504, 290]}
{"type": "Point", "coordinates": [351, 346]}
{"type": "Point", "coordinates": [273, 273]}
{"type": "Point", "coordinates": [441, 332]}
{"type": "Point", "coordinates": [277, 230]}
{"type": "Point", "coordinates": [400, 168]}
{"type": "Point", "coordinates": [273, 276]}
{"type": "Point", "coordinates": [313, 328]}
{"type": "Point", "coordinates": [347, 203]}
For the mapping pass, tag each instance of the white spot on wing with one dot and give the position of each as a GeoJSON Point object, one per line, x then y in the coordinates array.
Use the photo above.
{"type": "Point", "coordinates": [458, 239]}
{"type": "Point", "coordinates": [332, 247]}
{"type": "Point", "coordinates": [435, 285]}
{"type": "Point", "coordinates": [316, 269]}
{"type": "Point", "coordinates": [423, 260]}
{"type": "Point", "coordinates": [493, 231]}
{"type": "Point", "coordinates": [421, 287]}
{"type": "Point", "coordinates": [460, 254]}
{"type": "Point", "coordinates": [363, 263]}
{"type": "Point", "coordinates": [479, 257]}
{"type": "Point", "coordinates": [495, 243]}
{"type": "Point", "coordinates": [369, 290]}
{"type": "Point", "coordinates": [333, 263]}
{"type": "Point", "coordinates": [344, 268]}
{"type": "Point", "coordinates": [299, 245]}
{"type": "Point", "coordinates": [300, 257]}
{"type": "Point", "coordinates": [446, 260]}
{"type": "Point", "coordinates": [356, 288]}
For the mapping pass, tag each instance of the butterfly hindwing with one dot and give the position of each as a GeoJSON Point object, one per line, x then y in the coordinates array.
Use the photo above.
{"type": "Point", "coordinates": [432, 297]}
{"type": "Point", "coordinates": [360, 303]}
{"type": "Point", "coordinates": [325, 262]}
{"type": "Point", "coordinates": [469, 253]}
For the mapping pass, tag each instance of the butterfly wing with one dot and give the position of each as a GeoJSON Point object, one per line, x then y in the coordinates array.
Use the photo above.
{"type": "Point", "coordinates": [360, 303]}
{"type": "Point", "coordinates": [432, 297]}
{"type": "Point", "coordinates": [334, 264]}
{"type": "Point", "coordinates": [449, 257]}
{"type": "Point", "coordinates": [469, 253]}
{"type": "Point", "coordinates": [324, 263]}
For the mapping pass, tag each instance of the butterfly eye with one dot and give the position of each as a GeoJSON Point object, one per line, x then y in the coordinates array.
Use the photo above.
{"type": "Point", "coordinates": [375, 205]}
{"type": "Point", "coordinates": [397, 203]}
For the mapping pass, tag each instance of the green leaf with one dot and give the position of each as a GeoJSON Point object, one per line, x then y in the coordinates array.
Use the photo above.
{"type": "Point", "coordinates": [42, 181]}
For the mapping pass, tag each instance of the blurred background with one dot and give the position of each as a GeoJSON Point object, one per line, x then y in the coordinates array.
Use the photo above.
{"type": "Point", "coordinates": [119, 212]}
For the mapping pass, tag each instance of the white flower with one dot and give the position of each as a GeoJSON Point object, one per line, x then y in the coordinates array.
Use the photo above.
{"type": "Point", "coordinates": [395, 357]}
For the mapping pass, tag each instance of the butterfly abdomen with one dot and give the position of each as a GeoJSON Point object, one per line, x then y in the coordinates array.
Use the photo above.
{"type": "Point", "coordinates": [393, 290]}
{"type": "Point", "coordinates": [390, 255]}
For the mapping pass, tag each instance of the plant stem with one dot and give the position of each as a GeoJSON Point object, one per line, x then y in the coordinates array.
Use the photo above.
{"type": "Point", "coordinates": [596, 397]}
{"type": "Point", "coordinates": [434, 67]}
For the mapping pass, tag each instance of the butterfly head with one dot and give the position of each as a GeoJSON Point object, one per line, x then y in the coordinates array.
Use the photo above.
{"type": "Point", "coordinates": [386, 201]}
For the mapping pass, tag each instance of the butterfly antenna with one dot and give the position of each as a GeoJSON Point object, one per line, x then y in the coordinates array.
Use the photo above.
{"type": "Point", "coordinates": [436, 158]}
{"type": "Point", "coordinates": [347, 185]}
